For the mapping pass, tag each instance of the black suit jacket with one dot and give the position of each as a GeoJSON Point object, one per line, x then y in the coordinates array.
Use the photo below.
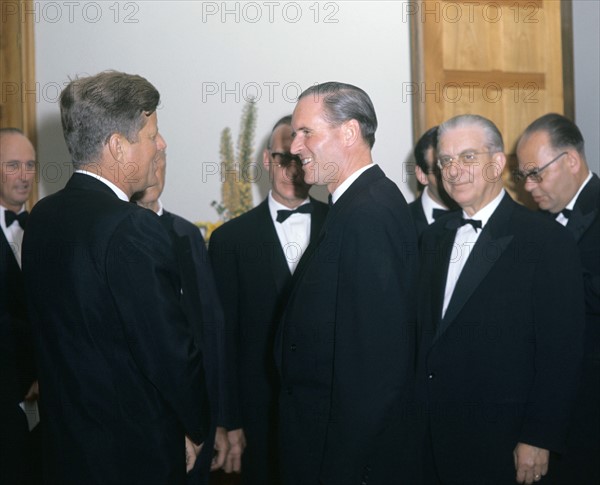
{"type": "Point", "coordinates": [584, 224]}
{"type": "Point", "coordinates": [345, 348]}
{"type": "Point", "coordinates": [13, 335]}
{"type": "Point", "coordinates": [252, 275]}
{"type": "Point", "coordinates": [121, 379]}
{"type": "Point", "coordinates": [502, 365]}
{"type": "Point", "coordinates": [418, 215]}
{"type": "Point", "coordinates": [580, 462]}
{"type": "Point", "coordinates": [14, 301]}
{"type": "Point", "coordinates": [202, 307]}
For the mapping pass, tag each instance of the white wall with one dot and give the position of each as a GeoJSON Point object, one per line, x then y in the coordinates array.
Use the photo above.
{"type": "Point", "coordinates": [205, 57]}
{"type": "Point", "coordinates": [586, 47]}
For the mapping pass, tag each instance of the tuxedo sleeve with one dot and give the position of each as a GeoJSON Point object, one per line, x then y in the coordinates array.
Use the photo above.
{"type": "Point", "coordinates": [374, 337]}
{"type": "Point", "coordinates": [558, 322]}
{"type": "Point", "coordinates": [142, 274]}
{"type": "Point", "coordinates": [223, 257]}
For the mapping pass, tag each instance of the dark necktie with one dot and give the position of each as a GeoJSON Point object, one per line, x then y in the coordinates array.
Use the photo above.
{"type": "Point", "coordinates": [330, 200]}
{"type": "Point", "coordinates": [566, 213]}
{"type": "Point", "coordinates": [456, 223]}
{"type": "Point", "coordinates": [283, 214]}
{"type": "Point", "coordinates": [10, 217]}
{"type": "Point", "coordinates": [438, 213]}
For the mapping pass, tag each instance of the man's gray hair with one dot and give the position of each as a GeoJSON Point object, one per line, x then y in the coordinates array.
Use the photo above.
{"type": "Point", "coordinates": [493, 137]}
{"type": "Point", "coordinates": [95, 107]}
{"type": "Point", "coordinates": [344, 102]}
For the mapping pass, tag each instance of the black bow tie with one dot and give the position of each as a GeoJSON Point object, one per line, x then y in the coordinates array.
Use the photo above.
{"type": "Point", "coordinates": [438, 213]}
{"type": "Point", "coordinates": [566, 213]}
{"type": "Point", "coordinates": [283, 214]}
{"type": "Point", "coordinates": [10, 217]}
{"type": "Point", "coordinates": [456, 223]}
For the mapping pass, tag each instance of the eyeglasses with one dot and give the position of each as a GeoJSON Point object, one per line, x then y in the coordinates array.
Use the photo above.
{"type": "Point", "coordinates": [534, 174]}
{"type": "Point", "coordinates": [285, 160]}
{"type": "Point", "coordinates": [464, 158]}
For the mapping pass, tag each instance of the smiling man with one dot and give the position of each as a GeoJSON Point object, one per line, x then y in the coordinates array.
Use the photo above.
{"type": "Point", "coordinates": [121, 380]}
{"type": "Point", "coordinates": [254, 257]}
{"type": "Point", "coordinates": [345, 348]}
{"type": "Point", "coordinates": [553, 166]}
{"type": "Point", "coordinates": [501, 320]}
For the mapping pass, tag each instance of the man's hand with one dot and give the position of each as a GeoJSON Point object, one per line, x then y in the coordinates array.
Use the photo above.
{"type": "Point", "coordinates": [192, 451]}
{"type": "Point", "coordinates": [221, 447]}
{"type": "Point", "coordinates": [237, 444]}
{"type": "Point", "coordinates": [531, 463]}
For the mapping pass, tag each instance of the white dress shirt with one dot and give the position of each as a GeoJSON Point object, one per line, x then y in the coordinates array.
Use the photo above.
{"type": "Point", "coordinates": [13, 234]}
{"type": "Point", "coordinates": [293, 233]}
{"type": "Point", "coordinates": [465, 239]}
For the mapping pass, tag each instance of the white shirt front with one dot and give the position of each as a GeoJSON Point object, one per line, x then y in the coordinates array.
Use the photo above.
{"type": "Point", "coordinates": [13, 234]}
{"type": "Point", "coordinates": [293, 233]}
{"type": "Point", "coordinates": [465, 239]}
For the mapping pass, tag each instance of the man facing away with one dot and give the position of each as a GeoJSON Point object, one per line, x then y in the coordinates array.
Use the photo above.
{"type": "Point", "coordinates": [121, 378]}
{"type": "Point", "coordinates": [253, 257]}
{"type": "Point", "coordinates": [345, 347]}
{"type": "Point", "coordinates": [501, 323]}
{"type": "Point", "coordinates": [553, 166]}
{"type": "Point", "coordinates": [202, 307]}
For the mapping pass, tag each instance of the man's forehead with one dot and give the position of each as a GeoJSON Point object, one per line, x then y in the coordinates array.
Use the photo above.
{"type": "Point", "coordinates": [463, 135]}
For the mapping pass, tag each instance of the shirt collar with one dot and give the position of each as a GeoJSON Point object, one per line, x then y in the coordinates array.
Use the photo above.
{"type": "Point", "coordinates": [119, 193]}
{"type": "Point", "coordinates": [337, 193]}
{"type": "Point", "coordinates": [571, 204]}
{"type": "Point", "coordinates": [275, 206]}
{"type": "Point", "coordinates": [486, 212]}
{"type": "Point", "coordinates": [429, 204]}
{"type": "Point", "coordinates": [3, 217]}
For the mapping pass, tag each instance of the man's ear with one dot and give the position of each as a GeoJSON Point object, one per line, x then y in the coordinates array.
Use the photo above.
{"type": "Point", "coordinates": [421, 176]}
{"type": "Point", "coordinates": [499, 161]}
{"type": "Point", "coordinates": [574, 160]}
{"type": "Point", "coordinates": [116, 146]}
{"type": "Point", "coordinates": [266, 159]}
{"type": "Point", "coordinates": [350, 132]}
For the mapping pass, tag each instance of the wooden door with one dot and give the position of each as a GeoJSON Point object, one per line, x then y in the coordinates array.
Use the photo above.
{"type": "Point", "coordinates": [18, 90]}
{"type": "Point", "coordinates": [507, 60]}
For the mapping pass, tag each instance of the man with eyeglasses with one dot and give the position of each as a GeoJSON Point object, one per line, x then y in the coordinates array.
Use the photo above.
{"type": "Point", "coordinates": [501, 318]}
{"type": "Point", "coordinates": [433, 201]}
{"type": "Point", "coordinates": [553, 166]}
{"type": "Point", "coordinates": [253, 257]}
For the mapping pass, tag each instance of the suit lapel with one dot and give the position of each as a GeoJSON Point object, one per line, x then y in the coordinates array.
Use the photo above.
{"type": "Point", "coordinates": [490, 245]}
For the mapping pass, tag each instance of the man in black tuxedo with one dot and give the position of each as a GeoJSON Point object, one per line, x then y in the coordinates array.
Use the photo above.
{"type": "Point", "coordinates": [122, 389]}
{"type": "Point", "coordinates": [345, 347]}
{"type": "Point", "coordinates": [553, 166]}
{"type": "Point", "coordinates": [202, 307]}
{"type": "Point", "coordinates": [433, 201]}
{"type": "Point", "coordinates": [501, 323]}
{"type": "Point", "coordinates": [18, 386]}
{"type": "Point", "coordinates": [253, 257]}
